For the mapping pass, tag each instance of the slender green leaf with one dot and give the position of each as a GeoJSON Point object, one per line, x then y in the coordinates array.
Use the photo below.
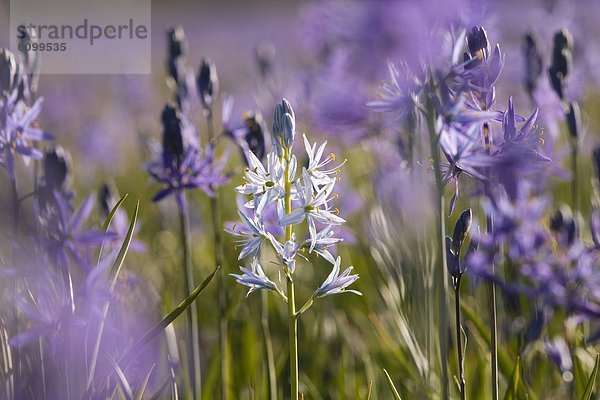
{"type": "Point", "coordinates": [112, 213]}
{"type": "Point", "coordinates": [123, 384]}
{"type": "Point", "coordinates": [142, 389]}
{"type": "Point", "coordinates": [513, 385]}
{"type": "Point", "coordinates": [392, 387]}
{"type": "Point", "coordinates": [128, 357]}
{"type": "Point", "coordinates": [589, 388]}
{"type": "Point", "coordinates": [108, 221]}
{"type": "Point", "coordinates": [114, 273]}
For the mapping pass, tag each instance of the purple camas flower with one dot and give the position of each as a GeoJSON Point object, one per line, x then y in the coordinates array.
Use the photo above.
{"type": "Point", "coordinates": [181, 165]}
{"type": "Point", "coordinates": [18, 133]}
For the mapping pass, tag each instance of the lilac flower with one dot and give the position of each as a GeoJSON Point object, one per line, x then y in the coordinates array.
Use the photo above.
{"type": "Point", "coordinates": [19, 132]}
{"type": "Point", "coordinates": [322, 242]}
{"type": "Point", "coordinates": [182, 166]}
{"type": "Point", "coordinates": [337, 283]}
{"type": "Point", "coordinates": [62, 231]}
{"type": "Point", "coordinates": [558, 351]}
{"type": "Point", "coordinates": [255, 278]}
{"type": "Point", "coordinates": [251, 235]}
{"type": "Point", "coordinates": [312, 206]}
{"type": "Point", "coordinates": [266, 185]}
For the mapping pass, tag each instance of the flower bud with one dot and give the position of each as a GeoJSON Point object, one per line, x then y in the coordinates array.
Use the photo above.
{"type": "Point", "coordinates": [56, 167]}
{"type": "Point", "coordinates": [573, 119]}
{"type": "Point", "coordinates": [176, 48]}
{"type": "Point", "coordinates": [208, 83]}
{"type": "Point", "coordinates": [533, 62]}
{"type": "Point", "coordinates": [265, 58]}
{"type": "Point", "coordinates": [255, 134]}
{"type": "Point", "coordinates": [452, 260]}
{"type": "Point", "coordinates": [105, 197]}
{"type": "Point", "coordinates": [565, 225]}
{"type": "Point", "coordinates": [561, 61]}
{"type": "Point", "coordinates": [477, 41]}
{"type": "Point", "coordinates": [284, 122]}
{"type": "Point", "coordinates": [172, 138]}
{"type": "Point", "coordinates": [461, 229]}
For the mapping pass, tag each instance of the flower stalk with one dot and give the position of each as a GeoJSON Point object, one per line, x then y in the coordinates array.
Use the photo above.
{"type": "Point", "coordinates": [441, 282]}
{"type": "Point", "coordinates": [194, 337]}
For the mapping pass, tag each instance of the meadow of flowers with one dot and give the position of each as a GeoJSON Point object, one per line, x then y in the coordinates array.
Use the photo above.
{"type": "Point", "coordinates": [336, 199]}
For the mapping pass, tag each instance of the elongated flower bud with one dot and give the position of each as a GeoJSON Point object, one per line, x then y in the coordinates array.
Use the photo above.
{"type": "Point", "coordinates": [478, 43]}
{"type": "Point", "coordinates": [284, 126]}
{"type": "Point", "coordinates": [208, 83]}
{"type": "Point", "coordinates": [255, 134]}
{"type": "Point", "coordinates": [461, 229]}
{"type": "Point", "coordinates": [561, 61]}
{"type": "Point", "coordinates": [533, 62]}
{"type": "Point", "coordinates": [176, 49]}
{"type": "Point", "coordinates": [172, 138]}
{"type": "Point", "coordinates": [573, 119]}
{"type": "Point", "coordinates": [56, 167]}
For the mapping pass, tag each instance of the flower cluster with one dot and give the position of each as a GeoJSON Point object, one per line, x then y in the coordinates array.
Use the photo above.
{"type": "Point", "coordinates": [298, 197]}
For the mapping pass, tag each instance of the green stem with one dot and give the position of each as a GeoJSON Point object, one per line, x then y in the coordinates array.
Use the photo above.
{"type": "Point", "coordinates": [459, 347]}
{"type": "Point", "coordinates": [292, 317]}
{"type": "Point", "coordinates": [441, 281]}
{"type": "Point", "coordinates": [194, 338]}
{"type": "Point", "coordinates": [264, 310]}
{"type": "Point", "coordinates": [492, 287]}
{"type": "Point", "coordinates": [221, 288]}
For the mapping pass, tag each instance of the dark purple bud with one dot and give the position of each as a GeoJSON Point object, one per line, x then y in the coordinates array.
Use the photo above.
{"type": "Point", "coordinates": [565, 226]}
{"type": "Point", "coordinates": [461, 229]}
{"type": "Point", "coordinates": [561, 61]}
{"type": "Point", "coordinates": [477, 40]}
{"type": "Point", "coordinates": [104, 199]}
{"type": "Point", "coordinates": [596, 160]}
{"type": "Point", "coordinates": [208, 83]}
{"type": "Point", "coordinates": [176, 41]}
{"type": "Point", "coordinates": [573, 119]}
{"type": "Point", "coordinates": [255, 134]}
{"type": "Point", "coordinates": [172, 138]}
{"type": "Point", "coordinates": [533, 62]}
{"type": "Point", "coordinates": [452, 260]}
{"type": "Point", "coordinates": [56, 167]}
{"type": "Point", "coordinates": [265, 58]}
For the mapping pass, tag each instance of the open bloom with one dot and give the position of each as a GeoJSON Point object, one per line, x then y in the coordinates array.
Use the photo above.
{"type": "Point", "coordinates": [313, 206]}
{"type": "Point", "coordinates": [18, 134]}
{"type": "Point", "coordinates": [337, 283]}
{"type": "Point", "coordinates": [251, 235]}
{"type": "Point", "coordinates": [255, 278]}
{"type": "Point", "coordinates": [266, 185]}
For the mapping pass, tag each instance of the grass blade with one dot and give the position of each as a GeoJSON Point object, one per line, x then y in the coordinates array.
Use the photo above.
{"type": "Point", "coordinates": [392, 387]}
{"type": "Point", "coordinates": [513, 385]}
{"type": "Point", "coordinates": [123, 384]}
{"type": "Point", "coordinates": [128, 357]}
{"type": "Point", "coordinates": [369, 388]}
{"type": "Point", "coordinates": [114, 272]}
{"type": "Point", "coordinates": [142, 389]}
{"type": "Point", "coordinates": [589, 388]}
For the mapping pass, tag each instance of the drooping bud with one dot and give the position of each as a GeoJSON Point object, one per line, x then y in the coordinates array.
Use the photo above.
{"type": "Point", "coordinates": [172, 137]}
{"type": "Point", "coordinates": [573, 119]}
{"type": "Point", "coordinates": [208, 83]}
{"type": "Point", "coordinates": [533, 62]}
{"type": "Point", "coordinates": [461, 230]}
{"type": "Point", "coordinates": [477, 41]}
{"type": "Point", "coordinates": [452, 260]}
